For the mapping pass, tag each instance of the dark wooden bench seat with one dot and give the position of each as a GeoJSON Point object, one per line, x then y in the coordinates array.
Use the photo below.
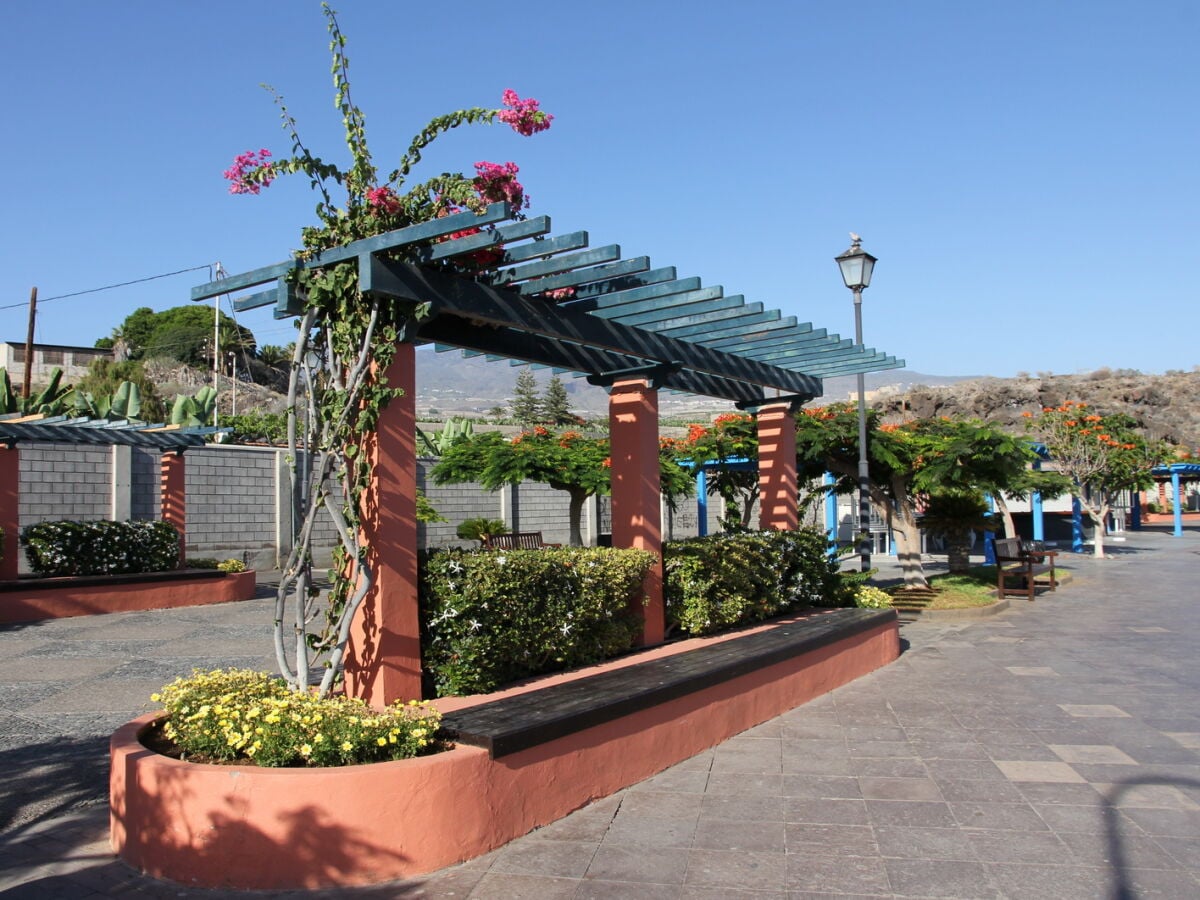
{"type": "Point", "coordinates": [517, 540]}
{"type": "Point", "coordinates": [510, 724]}
{"type": "Point", "coordinates": [1018, 570]}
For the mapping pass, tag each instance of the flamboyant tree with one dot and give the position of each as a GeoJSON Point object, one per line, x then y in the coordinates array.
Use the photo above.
{"type": "Point", "coordinates": [1100, 455]}
{"type": "Point", "coordinates": [907, 462]}
{"type": "Point", "coordinates": [567, 461]}
{"type": "Point", "coordinates": [353, 336]}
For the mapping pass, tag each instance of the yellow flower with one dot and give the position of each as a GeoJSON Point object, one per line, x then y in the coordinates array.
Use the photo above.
{"type": "Point", "coordinates": [347, 746]}
{"type": "Point", "coordinates": [305, 750]}
{"type": "Point", "coordinates": [156, 698]}
{"type": "Point", "coordinates": [382, 742]}
{"type": "Point", "coordinates": [319, 738]}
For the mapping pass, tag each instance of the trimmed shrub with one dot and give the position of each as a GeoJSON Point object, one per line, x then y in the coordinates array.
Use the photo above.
{"type": "Point", "coordinates": [716, 582]}
{"type": "Point", "coordinates": [491, 618]}
{"type": "Point", "coordinates": [100, 548]}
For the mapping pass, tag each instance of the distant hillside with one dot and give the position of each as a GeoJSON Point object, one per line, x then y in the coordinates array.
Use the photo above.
{"type": "Point", "coordinates": [1166, 406]}
{"type": "Point", "coordinates": [470, 386]}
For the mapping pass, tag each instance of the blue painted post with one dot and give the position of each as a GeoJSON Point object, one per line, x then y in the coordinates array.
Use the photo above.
{"type": "Point", "coordinates": [1178, 500]}
{"type": "Point", "coordinates": [1076, 526]}
{"type": "Point", "coordinates": [831, 520]}
{"type": "Point", "coordinates": [1035, 506]}
{"type": "Point", "coordinates": [702, 502]}
{"type": "Point", "coordinates": [989, 536]}
{"type": "Point", "coordinates": [1135, 512]}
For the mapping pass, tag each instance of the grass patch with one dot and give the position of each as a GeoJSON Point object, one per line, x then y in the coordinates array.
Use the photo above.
{"type": "Point", "coordinates": [973, 590]}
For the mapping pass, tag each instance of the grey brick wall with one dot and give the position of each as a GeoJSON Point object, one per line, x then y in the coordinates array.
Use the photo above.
{"type": "Point", "coordinates": [234, 499]}
{"type": "Point", "coordinates": [65, 481]}
{"type": "Point", "coordinates": [230, 499]}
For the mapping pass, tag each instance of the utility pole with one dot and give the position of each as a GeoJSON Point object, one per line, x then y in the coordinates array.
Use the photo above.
{"type": "Point", "coordinates": [29, 342]}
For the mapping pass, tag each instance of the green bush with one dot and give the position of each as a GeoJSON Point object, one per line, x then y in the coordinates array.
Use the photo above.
{"type": "Point", "coordinates": [492, 618]}
{"type": "Point", "coordinates": [100, 548]}
{"type": "Point", "coordinates": [238, 714]}
{"type": "Point", "coordinates": [229, 566]}
{"type": "Point", "coordinates": [716, 582]}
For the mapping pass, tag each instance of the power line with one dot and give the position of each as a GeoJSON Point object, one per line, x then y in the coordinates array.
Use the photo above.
{"type": "Point", "coordinates": [109, 287]}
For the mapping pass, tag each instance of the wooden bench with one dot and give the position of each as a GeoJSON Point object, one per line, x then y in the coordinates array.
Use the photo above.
{"type": "Point", "coordinates": [519, 722]}
{"type": "Point", "coordinates": [1017, 570]}
{"type": "Point", "coordinates": [517, 540]}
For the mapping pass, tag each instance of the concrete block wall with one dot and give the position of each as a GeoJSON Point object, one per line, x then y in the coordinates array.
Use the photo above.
{"type": "Point", "coordinates": [65, 481]}
{"type": "Point", "coordinates": [231, 500]}
{"type": "Point", "coordinates": [239, 500]}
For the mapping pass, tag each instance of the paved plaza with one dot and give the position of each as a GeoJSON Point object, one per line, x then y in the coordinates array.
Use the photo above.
{"type": "Point", "coordinates": [1049, 751]}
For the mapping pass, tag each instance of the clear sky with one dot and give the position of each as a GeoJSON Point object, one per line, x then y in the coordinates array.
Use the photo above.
{"type": "Point", "coordinates": [1026, 171]}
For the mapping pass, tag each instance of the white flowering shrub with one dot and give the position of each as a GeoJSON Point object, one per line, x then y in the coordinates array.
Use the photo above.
{"type": "Point", "coordinates": [491, 617]}
{"type": "Point", "coordinates": [100, 548]}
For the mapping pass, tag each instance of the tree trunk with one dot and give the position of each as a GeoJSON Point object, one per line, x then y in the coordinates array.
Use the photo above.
{"type": "Point", "coordinates": [1010, 526]}
{"type": "Point", "coordinates": [907, 535]}
{"type": "Point", "coordinates": [958, 553]}
{"type": "Point", "coordinates": [575, 513]}
{"type": "Point", "coordinates": [1098, 516]}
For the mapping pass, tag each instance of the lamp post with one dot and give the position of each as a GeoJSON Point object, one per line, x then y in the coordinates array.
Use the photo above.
{"type": "Point", "coordinates": [857, 265]}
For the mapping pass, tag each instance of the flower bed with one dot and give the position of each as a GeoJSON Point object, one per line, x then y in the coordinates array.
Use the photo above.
{"type": "Point", "coordinates": [235, 826]}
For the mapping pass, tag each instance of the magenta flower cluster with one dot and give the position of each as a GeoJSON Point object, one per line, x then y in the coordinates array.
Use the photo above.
{"type": "Point", "coordinates": [384, 200]}
{"type": "Point", "coordinates": [250, 172]}
{"type": "Point", "coordinates": [498, 183]}
{"type": "Point", "coordinates": [523, 115]}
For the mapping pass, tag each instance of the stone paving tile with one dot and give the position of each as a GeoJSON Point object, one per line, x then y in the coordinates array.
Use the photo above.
{"type": "Point", "coordinates": [816, 871]}
{"type": "Point", "coordinates": [1024, 770]}
{"type": "Point", "coordinates": [939, 878]}
{"type": "Point", "coordinates": [797, 806]}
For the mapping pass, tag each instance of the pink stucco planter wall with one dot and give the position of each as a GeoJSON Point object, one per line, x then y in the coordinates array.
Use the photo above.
{"type": "Point", "coordinates": [59, 598]}
{"type": "Point", "coordinates": [248, 827]}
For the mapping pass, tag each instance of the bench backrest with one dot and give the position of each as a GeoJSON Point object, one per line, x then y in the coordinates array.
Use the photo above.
{"type": "Point", "coordinates": [517, 540]}
{"type": "Point", "coordinates": [1008, 548]}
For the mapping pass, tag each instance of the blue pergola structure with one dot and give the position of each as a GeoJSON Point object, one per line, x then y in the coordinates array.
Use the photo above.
{"type": "Point", "coordinates": [1178, 473]}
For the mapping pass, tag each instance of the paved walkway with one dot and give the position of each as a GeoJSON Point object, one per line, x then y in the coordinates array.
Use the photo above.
{"type": "Point", "coordinates": [1051, 751]}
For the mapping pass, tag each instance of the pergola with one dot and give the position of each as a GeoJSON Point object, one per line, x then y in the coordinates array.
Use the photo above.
{"type": "Point", "coordinates": [170, 440]}
{"type": "Point", "coordinates": [622, 323]}
{"type": "Point", "coordinates": [1177, 473]}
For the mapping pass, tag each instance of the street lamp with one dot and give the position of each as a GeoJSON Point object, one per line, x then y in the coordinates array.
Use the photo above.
{"type": "Point", "coordinates": [857, 265]}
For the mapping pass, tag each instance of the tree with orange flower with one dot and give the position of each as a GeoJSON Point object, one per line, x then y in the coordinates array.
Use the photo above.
{"type": "Point", "coordinates": [567, 461]}
{"type": "Point", "coordinates": [1102, 455]}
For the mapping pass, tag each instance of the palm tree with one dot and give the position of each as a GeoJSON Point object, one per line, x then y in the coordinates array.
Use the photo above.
{"type": "Point", "coordinates": [954, 515]}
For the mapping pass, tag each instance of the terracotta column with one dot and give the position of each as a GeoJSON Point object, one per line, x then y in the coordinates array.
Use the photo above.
{"type": "Point", "coordinates": [777, 488]}
{"type": "Point", "coordinates": [173, 497]}
{"type": "Point", "coordinates": [383, 660]}
{"type": "Point", "coordinates": [636, 505]}
{"type": "Point", "coordinates": [10, 514]}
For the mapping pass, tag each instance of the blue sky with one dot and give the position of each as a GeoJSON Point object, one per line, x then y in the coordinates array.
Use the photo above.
{"type": "Point", "coordinates": [1025, 171]}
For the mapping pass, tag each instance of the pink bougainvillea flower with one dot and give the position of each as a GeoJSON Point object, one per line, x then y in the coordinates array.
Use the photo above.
{"type": "Point", "coordinates": [560, 294]}
{"type": "Point", "coordinates": [384, 200]}
{"type": "Point", "coordinates": [250, 172]}
{"type": "Point", "coordinates": [523, 116]}
{"type": "Point", "coordinates": [498, 183]}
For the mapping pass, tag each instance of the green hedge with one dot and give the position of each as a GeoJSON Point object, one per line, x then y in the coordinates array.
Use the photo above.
{"type": "Point", "coordinates": [100, 548]}
{"type": "Point", "coordinates": [720, 581]}
{"type": "Point", "coordinates": [491, 617]}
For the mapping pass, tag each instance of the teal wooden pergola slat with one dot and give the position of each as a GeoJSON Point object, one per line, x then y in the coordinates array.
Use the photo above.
{"type": "Point", "coordinates": [683, 315]}
{"type": "Point", "coordinates": [657, 293]}
{"type": "Point", "coordinates": [647, 312]}
{"type": "Point", "coordinates": [823, 350]}
{"type": "Point", "coordinates": [496, 212]}
{"type": "Point", "coordinates": [557, 265]}
{"type": "Point", "coordinates": [614, 287]}
{"type": "Point", "coordinates": [801, 335]}
{"type": "Point", "coordinates": [490, 238]}
{"type": "Point", "coordinates": [583, 276]}
{"type": "Point", "coordinates": [736, 322]}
